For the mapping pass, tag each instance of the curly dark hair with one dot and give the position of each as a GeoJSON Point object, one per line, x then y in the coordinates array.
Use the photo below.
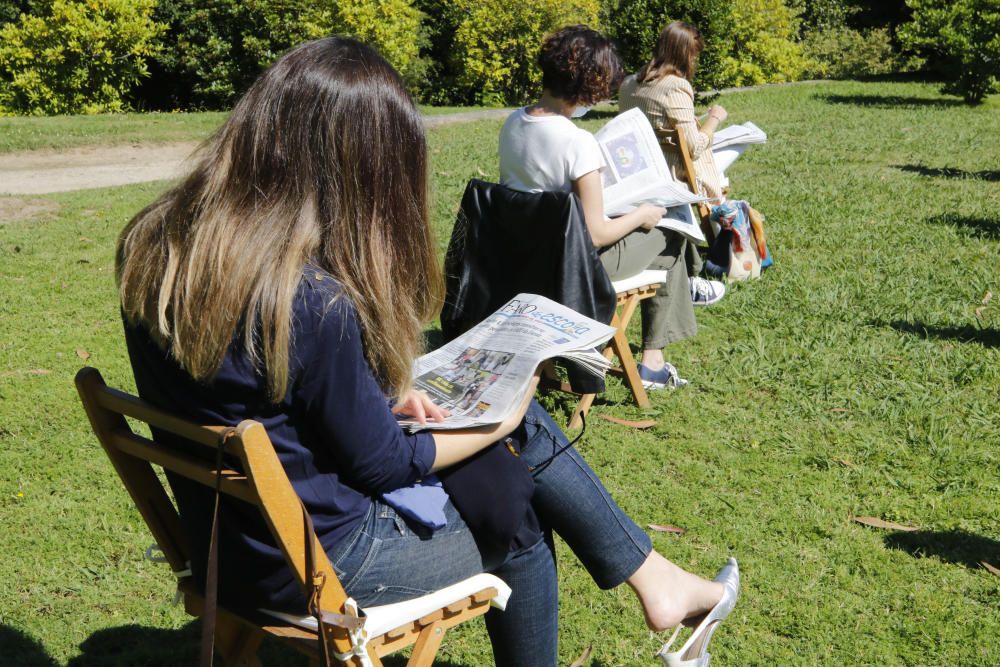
{"type": "Point", "coordinates": [579, 65]}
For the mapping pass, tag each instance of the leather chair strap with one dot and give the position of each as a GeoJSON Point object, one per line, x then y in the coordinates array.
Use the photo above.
{"type": "Point", "coordinates": [210, 611]}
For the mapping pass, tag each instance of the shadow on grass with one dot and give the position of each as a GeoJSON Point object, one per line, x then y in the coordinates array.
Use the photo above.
{"type": "Point", "coordinates": [400, 661]}
{"type": "Point", "coordinates": [950, 172]}
{"type": "Point", "coordinates": [989, 337]}
{"type": "Point", "coordinates": [18, 649]}
{"type": "Point", "coordinates": [153, 647]}
{"type": "Point", "coordinates": [140, 645]}
{"type": "Point", "coordinates": [953, 546]}
{"type": "Point", "coordinates": [889, 101]}
{"type": "Point", "coordinates": [984, 228]}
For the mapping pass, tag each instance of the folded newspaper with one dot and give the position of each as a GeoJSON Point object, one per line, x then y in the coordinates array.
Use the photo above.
{"type": "Point", "coordinates": [482, 375]}
{"type": "Point", "coordinates": [729, 143]}
{"type": "Point", "coordinates": [747, 133]}
{"type": "Point", "coordinates": [635, 172]}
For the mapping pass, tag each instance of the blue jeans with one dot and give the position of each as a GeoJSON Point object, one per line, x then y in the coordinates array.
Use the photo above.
{"type": "Point", "coordinates": [388, 560]}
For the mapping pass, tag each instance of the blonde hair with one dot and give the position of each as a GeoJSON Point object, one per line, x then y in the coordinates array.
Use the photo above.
{"type": "Point", "coordinates": [676, 52]}
{"type": "Point", "coordinates": [324, 162]}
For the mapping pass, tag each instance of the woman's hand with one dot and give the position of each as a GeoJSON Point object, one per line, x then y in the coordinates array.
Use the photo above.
{"type": "Point", "coordinates": [649, 215]}
{"type": "Point", "coordinates": [419, 405]}
{"type": "Point", "coordinates": [718, 113]}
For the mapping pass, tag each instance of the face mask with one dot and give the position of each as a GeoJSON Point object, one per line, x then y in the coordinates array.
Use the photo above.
{"type": "Point", "coordinates": [579, 112]}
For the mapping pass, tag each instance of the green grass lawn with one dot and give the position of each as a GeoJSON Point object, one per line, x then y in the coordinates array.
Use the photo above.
{"type": "Point", "coordinates": [855, 379]}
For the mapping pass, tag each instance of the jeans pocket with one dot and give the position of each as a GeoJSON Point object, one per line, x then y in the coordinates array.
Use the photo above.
{"type": "Point", "coordinates": [540, 433]}
{"type": "Point", "coordinates": [358, 563]}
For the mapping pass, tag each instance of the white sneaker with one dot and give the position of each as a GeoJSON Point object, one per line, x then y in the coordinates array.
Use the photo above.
{"type": "Point", "coordinates": [706, 292]}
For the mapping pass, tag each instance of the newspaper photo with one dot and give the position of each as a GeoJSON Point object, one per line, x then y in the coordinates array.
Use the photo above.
{"type": "Point", "coordinates": [635, 171]}
{"type": "Point", "coordinates": [481, 376]}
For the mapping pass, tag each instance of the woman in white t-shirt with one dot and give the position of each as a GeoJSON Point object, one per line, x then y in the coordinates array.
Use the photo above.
{"type": "Point", "coordinates": [541, 150]}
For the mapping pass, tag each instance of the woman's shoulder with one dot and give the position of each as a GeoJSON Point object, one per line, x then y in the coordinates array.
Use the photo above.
{"type": "Point", "coordinates": [321, 300]}
{"type": "Point", "coordinates": [656, 89]}
{"type": "Point", "coordinates": [317, 284]}
{"type": "Point", "coordinates": [673, 82]}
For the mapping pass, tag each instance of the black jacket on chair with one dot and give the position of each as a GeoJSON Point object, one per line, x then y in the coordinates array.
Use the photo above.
{"type": "Point", "coordinates": [506, 242]}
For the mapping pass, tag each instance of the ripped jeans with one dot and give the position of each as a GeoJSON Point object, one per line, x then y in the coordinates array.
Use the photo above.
{"type": "Point", "coordinates": [388, 560]}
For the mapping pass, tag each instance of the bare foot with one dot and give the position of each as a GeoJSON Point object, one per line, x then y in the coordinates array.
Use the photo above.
{"type": "Point", "coordinates": [671, 595]}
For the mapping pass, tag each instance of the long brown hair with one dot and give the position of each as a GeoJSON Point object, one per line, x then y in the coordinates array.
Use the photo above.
{"type": "Point", "coordinates": [676, 52]}
{"type": "Point", "coordinates": [322, 161]}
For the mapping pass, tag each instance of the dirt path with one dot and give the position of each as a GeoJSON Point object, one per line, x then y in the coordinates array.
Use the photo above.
{"type": "Point", "coordinates": [41, 172]}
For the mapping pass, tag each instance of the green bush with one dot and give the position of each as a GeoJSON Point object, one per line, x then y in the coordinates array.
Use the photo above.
{"type": "Point", "coordinates": [746, 41]}
{"type": "Point", "coordinates": [214, 49]}
{"type": "Point", "coordinates": [764, 45]}
{"type": "Point", "coordinates": [835, 48]}
{"type": "Point", "coordinates": [961, 39]}
{"type": "Point", "coordinates": [484, 50]}
{"type": "Point", "coordinates": [823, 14]}
{"type": "Point", "coordinates": [11, 10]}
{"type": "Point", "coordinates": [394, 27]}
{"type": "Point", "coordinates": [841, 52]}
{"type": "Point", "coordinates": [82, 57]}
{"type": "Point", "coordinates": [635, 25]}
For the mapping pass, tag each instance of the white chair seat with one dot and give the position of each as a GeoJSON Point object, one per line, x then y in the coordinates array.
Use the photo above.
{"type": "Point", "coordinates": [647, 277]}
{"type": "Point", "coordinates": [383, 618]}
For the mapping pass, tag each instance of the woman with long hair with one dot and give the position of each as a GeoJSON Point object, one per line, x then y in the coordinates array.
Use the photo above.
{"type": "Point", "coordinates": [662, 90]}
{"type": "Point", "coordinates": [287, 280]}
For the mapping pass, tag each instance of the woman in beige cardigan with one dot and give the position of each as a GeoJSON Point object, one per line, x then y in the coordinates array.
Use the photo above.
{"type": "Point", "coordinates": [661, 89]}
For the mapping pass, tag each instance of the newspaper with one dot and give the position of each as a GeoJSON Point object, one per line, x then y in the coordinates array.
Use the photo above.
{"type": "Point", "coordinates": [482, 375]}
{"type": "Point", "coordinates": [635, 172]}
{"type": "Point", "coordinates": [729, 143]}
{"type": "Point", "coordinates": [747, 133]}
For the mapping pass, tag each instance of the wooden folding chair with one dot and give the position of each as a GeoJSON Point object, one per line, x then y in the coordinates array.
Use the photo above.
{"type": "Point", "coordinates": [630, 292]}
{"type": "Point", "coordinates": [420, 622]}
{"type": "Point", "coordinates": [676, 142]}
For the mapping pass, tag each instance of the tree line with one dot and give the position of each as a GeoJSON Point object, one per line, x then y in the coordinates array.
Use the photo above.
{"type": "Point", "coordinates": [92, 56]}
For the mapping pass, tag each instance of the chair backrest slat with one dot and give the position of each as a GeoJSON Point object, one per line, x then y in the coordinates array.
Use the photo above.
{"type": "Point", "coordinates": [233, 483]}
{"type": "Point", "coordinates": [119, 402]}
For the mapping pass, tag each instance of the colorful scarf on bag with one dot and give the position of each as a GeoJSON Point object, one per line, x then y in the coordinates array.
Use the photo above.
{"type": "Point", "coordinates": [733, 216]}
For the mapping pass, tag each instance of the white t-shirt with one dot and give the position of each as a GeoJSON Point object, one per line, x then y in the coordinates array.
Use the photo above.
{"type": "Point", "coordinates": [545, 153]}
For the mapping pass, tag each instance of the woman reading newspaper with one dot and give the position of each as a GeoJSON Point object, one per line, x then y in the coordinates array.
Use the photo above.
{"type": "Point", "coordinates": [287, 279]}
{"type": "Point", "coordinates": [542, 150]}
{"type": "Point", "coordinates": [662, 90]}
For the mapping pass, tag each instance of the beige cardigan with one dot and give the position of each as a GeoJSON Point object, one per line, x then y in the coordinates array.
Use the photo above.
{"type": "Point", "coordinates": [668, 103]}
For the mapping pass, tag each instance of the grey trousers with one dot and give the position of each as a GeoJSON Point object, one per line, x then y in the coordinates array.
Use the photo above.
{"type": "Point", "coordinates": [669, 316]}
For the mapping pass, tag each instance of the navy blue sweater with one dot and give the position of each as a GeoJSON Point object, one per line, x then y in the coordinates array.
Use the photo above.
{"type": "Point", "coordinates": [333, 432]}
